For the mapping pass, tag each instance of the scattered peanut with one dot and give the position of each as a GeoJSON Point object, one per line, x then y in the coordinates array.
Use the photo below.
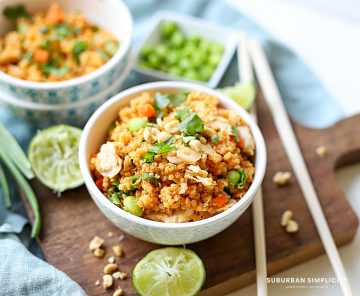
{"type": "Point", "coordinates": [292, 226]}
{"type": "Point", "coordinates": [118, 292]}
{"type": "Point", "coordinates": [111, 259]}
{"type": "Point", "coordinates": [202, 140]}
{"type": "Point", "coordinates": [123, 275]}
{"type": "Point", "coordinates": [118, 251]}
{"type": "Point", "coordinates": [110, 268]}
{"type": "Point", "coordinates": [281, 178]}
{"type": "Point", "coordinates": [107, 281]}
{"type": "Point", "coordinates": [97, 282]}
{"type": "Point", "coordinates": [321, 151]}
{"type": "Point", "coordinates": [116, 275]}
{"type": "Point", "coordinates": [96, 243]}
{"type": "Point", "coordinates": [110, 234]}
{"type": "Point", "coordinates": [285, 218]}
{"type": "Point", "coordinates": [196, 145]}
{"type": "Point", "coordinates": [99, 253]}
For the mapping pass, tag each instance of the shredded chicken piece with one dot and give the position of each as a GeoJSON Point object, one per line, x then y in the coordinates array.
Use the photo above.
{"type": "Point", "coordinates": [245, 134]}
{"type": "Point", "coordinates": [108, 163]}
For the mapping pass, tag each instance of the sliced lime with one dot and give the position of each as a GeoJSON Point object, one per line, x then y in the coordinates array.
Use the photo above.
{"type": "Point", "coordinates": [53, 153]}
{"type": "Point", "coordinates": [242, 93]}
{"type": "Point", "coordinates": [169, 271]}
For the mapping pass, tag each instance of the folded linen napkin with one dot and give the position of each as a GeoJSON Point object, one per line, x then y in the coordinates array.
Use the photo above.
{"type": "Point", "coordinates": [305, 98]}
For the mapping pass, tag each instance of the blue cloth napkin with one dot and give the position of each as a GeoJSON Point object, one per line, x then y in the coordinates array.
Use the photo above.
{"type": "Point", "coordinates": [305, 98]}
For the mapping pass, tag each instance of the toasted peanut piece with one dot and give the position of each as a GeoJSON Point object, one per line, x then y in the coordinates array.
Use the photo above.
{"type": "Point", "coordinates": [196, 145]}
{"type": "Point", "coordinates": [96, 243]}
{"type": "Point", "coordinates": [188, 139]}
{"type": "Point", "coordinates": [99, 253]}
{"type": "Point", "coordinates": [285, 218]}
{"type": "Point", "coordinates": [110, 234]}
{"type": "Point", "coordinates": [110, 268]}
{"type": "Point", "coordinates": [162, 137]}
{"type": "Point", "coordinates": [321, 151]}
{"type": "Point", "coordinates": [122, 275]}
{"type": "Point", "coordinates": [107, 281]}
{"type": "Point", "coordinates": [111, 259]}
{"type": "Point", "coordinates": [202, 140]}
{"type": "Point", "coordinates": [171, 126]}
{"type": "Point", "coordinates": [116, 275]}
{"type": "Point", "coordinates": [118, 250]}
{"type": "Point", "coordinates": [118, 292]}
{"type": "Point", "coordinates": [281, 178]}
{"type": "Point", "coordinates": [97, 282]}
{"type": "Point", "coordinates": [292, 226]}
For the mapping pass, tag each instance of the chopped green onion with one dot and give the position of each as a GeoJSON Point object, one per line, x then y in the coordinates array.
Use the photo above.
{"type": "Point", "coordinates": [79, 47]}
{"type": "Point", "coordinates": [243, 178]}
{"type": "Point", "coordinates": [16, 154]}
{"type": "Point", "coordinates": [115, 198]}
{"type": "Point", "coordinates": [61, 30]}
{"type": "Point", "coordinates": [53, 70]}
{"type": "Point", "coordinates": [46, 44]}
{"type": "Point", "coordinates": [5, 188]}
{"type": "Point", "coordinates": [215, 139]}
{"type": "Point", "coordinates": [150, 177]}
{"type": "Point", "coordinates": [26, 188]}
{"type": "Point", "coordinates": [136, 124]}
{"type": "Point", "coordinates": [235, 133]}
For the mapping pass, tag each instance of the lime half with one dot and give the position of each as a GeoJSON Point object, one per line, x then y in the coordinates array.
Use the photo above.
{"type": "Point", "coordinates": [242, 93]}
{"type": "Point", "coordinates": [53, 153]}
{"type": "Point", "coordinates": [169, 271]}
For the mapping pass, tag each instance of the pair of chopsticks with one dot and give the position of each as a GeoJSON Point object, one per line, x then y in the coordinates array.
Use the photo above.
{"type": "Point", "coordinates": [289, 141]}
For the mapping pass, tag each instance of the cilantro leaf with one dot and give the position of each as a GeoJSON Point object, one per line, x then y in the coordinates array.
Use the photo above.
{"type": "Point", "coordinates": [16, 11]}
{"type": "Point", "coordinates": [79, 47]}
{"type": "Point", "coordinates": [191, 125]}
{"type": "Point", "coordinates": [115, 198]}
{"type": "Point", "coordinates": [159, 148]}
{"type": "Point", "coordinates": [178, 99]}
{"type": "Point", "coordinates": [235, 133]}
{"type": "Point", "coordinates": [181, 113]}
{"type": "Point", "coordinates": [150, 177]}
{"type": "Point", "coordinates": [243, 178]}
{"type": "Point", "coordinates": [148, 157]}
{"type": "Point", "coordinates": [161, 101]}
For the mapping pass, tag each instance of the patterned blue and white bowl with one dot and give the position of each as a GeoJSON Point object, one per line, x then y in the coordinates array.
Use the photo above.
{"type": "Point", "coordinates": [41, 115]}
{"type": "Point", "coordinates": [110, 14]}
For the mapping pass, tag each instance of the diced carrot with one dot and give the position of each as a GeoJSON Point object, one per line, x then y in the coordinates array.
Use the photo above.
{"type": "Point", "coordinates": [41, 56]}
{"type": "Point", "coordinates": [54, 15]}
{"type": "Point", "coordinates": [221, 200]}
{"type": "Point", "coordinates": [147, 110]}
{"type": "Point", "coordinates": [240, 143]}
{"type": "Point", "coordinates": [99, 183]}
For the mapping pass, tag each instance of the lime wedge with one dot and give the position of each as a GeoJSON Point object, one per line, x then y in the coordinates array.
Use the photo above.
{"type": "Point", "coordinates": [242, 93]}
{"type": "Point", "coordinates": [53, 153]}
{"type": "Point", "coordinates": [169, 271]}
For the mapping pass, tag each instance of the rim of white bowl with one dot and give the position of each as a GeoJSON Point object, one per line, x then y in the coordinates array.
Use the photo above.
{"type": "Point", "coordinates": [260, 161]}
{"type": "Point", "coordinates": [11, 100]}
{"type": "Point", "coordinates": [120, 53]}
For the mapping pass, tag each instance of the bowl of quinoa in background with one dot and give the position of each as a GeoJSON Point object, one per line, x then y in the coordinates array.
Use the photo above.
{"type": "Point", "coordinates": [172, 162]}
{"type": "Point", "coordinates": [54, 53]}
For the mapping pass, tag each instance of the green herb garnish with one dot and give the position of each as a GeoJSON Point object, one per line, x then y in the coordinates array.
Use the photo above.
{"type": "Point", "coordinates": [160, 148]}
{"type": "Point", "coordinates": [235, 133]}
{"type": "Point", "coordinates": [46, 44]}
{"type": "Point", "coordinates": [53, 70]}
{"type": "Point", "coordinates": [191, 125]}
{"type": "Point", "coordinates": [15, 12]}
{"type": "Point", "coordinates": [215, 139]}
{"type": "Point", "coordinates": [148, 157]}
{"type": "Point", "coordinates": [134, 181]}
{"type": "Point", "coordinates": [243, 178]}
{"type": "Point", "coordinates": [79, 47]}
{"type": "Point", "coordinates": [178, 99]}
{"type": "Point", "coordinates": [182, 113]}
{"type": "Point", "coordinates": [115, 198]}
{"type": "Point", "coordinates": [161, 101]}
{"type": "Point", "coordinates": [44, 29]}
{"type": "Point", "coordinates": [61, 30]}
{"type": "Point", "coordinates": [150, 177]}
{"type": "Point", "coordinates": [22, 28]}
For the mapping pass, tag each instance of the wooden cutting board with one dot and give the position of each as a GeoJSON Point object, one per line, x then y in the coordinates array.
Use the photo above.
{"type": "Point", "coordinates": [70, 222]}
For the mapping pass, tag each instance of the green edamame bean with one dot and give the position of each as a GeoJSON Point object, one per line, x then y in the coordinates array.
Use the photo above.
{"type": "Point", "coordinates": [131, 206]}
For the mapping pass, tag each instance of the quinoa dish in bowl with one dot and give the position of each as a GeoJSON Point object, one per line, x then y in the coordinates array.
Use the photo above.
{"type": "Point", "coordinates": [174, 157]}
{"type": "Point", "coordinates": [63, 51]}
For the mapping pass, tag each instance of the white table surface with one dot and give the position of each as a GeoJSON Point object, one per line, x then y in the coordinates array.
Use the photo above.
{"type": "Point", "coordinates": [325, 33]}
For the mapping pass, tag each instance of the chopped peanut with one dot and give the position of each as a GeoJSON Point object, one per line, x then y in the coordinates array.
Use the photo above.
{"type": "Point", "coordinates": [292, 226]}
{"type": "Point", "coordinates": [97, 282]}
{"type": "Point", "coordinates": [118, 250]}
{"type": "Point", "coordinates": [281, 178]}
{"type": "Point", "coordinates": [110, 234]}
{"type": "Point", "coordinates": [321, 151]}
{"type": "Point", "coordinates": [285, 218]}
{"type": "Point", "coordinates": [96, 243]}
{"type": "Point", "coordinates": [116, 275]}
{"type": "Point", "coordinates": [118, 292]}
{"type": "Point", "coordinates": [111, 259]}
{"type": "Point", "coordinates": [99, 253]}
{"type": "Point", "coordinates": [122, 275]}
{"type": "Point", "coordinates": [107, 281]}
{"type": "Point", "coordinates": [110, 268]}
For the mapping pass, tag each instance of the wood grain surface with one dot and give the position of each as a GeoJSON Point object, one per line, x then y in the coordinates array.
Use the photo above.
{"type": "Point", "coordinates": [70, 222]}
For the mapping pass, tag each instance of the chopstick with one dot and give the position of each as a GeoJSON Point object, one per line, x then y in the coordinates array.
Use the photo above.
{"type": "Point", "coordinates": [246, 74]}
{"type": "Point", "coordinates": [289, 141]}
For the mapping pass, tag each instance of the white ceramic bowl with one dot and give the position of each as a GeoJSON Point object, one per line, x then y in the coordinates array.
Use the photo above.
{"type": "Point", "coordinates": [112, 15]}
{"type": "Point", "coordinates": [77, 113]}
{"type": "Point", "coordinates": [189, 25]}
{"type": "Point", "coordinates": [94, 135]}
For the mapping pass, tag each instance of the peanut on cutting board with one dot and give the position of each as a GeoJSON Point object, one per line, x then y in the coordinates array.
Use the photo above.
{"type": "Point", "coordinates": [290, 225]}
{"type": "Point", "coordinates": [321, 151]}
{"type": "Point", "coordinates": [282, 178]}
{"type": "Point", "coordinates": [107, 281]}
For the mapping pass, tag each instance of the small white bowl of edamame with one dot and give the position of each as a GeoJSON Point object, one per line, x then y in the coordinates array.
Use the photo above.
{"type": "Point", "coordinates": [185, 48]}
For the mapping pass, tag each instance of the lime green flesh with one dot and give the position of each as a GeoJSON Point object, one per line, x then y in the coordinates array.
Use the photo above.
{"type": "Point", "coordinates": [53, 153]}
{"type": "Point", "coordinates": [242, 93]}
{"type": "Point", "coordinates": [169, 272]}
